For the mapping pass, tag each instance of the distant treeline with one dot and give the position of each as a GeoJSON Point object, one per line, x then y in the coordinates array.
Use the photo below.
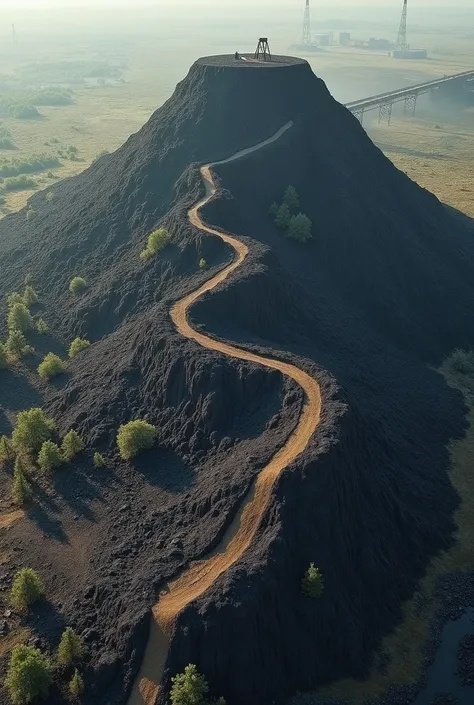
{"type": "Point", "coordinates": [29, 165]}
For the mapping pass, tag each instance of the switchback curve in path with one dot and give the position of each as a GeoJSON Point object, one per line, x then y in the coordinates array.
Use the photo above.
{"type": "Point", "coordinates": [200, 575]}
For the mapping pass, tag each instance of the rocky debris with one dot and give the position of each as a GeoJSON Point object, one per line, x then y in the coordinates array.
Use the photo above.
{"type": "Point", "coordinates": [466, 660]}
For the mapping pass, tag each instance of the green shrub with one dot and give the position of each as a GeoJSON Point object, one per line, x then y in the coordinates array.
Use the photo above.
{"type": "Point", "coordinates": [21, 491]}
{"type": "Point", "coordinates": [7, 452]}
{"type": "Point", "coordinates": [19, 183]}
{"type": "Point", "coordinates": [77, 346]}
{"type": "Point", "coordinates": [51, 366]}
{"type": "Point", "coordinates": [30, 214]}
{"type": "Point", "coordinates": [30, 296]}
{"type": "Point", "coordinates": [19, 318]}
{"type": "Point", "coordinates": [72, 445]}
{"type": "Point", "coordinates": [27, 588]}
{"type": "Point", "coordinates": [29, 165]}
{"type": "Point", "coordinates": [291, 199]}
{"type": "Point", "coordinates": [29, 280]}
{"type": "Point", "coordinates": [29, 675]}
{"type": "Point", "coordinates": [100, 154]}
{"type": "Point", "coordinates": [41, 326]}
{"type": "Point", "coordinates": [157, 241]}
{"type": "Point", "coordinates": [24, 112]}
{"type": "Point", "coordinates": [17, 346]}
{"type": "Point", "coordinates": [3, 357]}
{"type": "Point", "coordinates": [99, 460]}
{"type": "Point", "coordinates": [77, 285]}
{"type": "Point", "coordinates": [31, 430]}
{"type": "Point", "coordinates": [50, 195]}
{"type": "Point", "coordinates": [50, 456]}
{"type": "Point", "coordinates": [312, 584]}
{"type": "Point", "coordinates": [202, 264]}
{"type": "Point", "coordinates": [6, 141]}
{"type": "Point", "coordinates": [189, 688]}
{"type": "Point", "coordinates": [283, 217]}
{"type": "Point", "coordinates": [76, 685]}
{"type": "Point", "coordinates": [135, 437]}
{"type": "Point", "coordinates": [299, 228]}
{"type": "Point", "coordinates": [273, 210]}
{"type": "Point", "coordinates": [71, 647]}
{"type": "Point", "coordinates": [14, 298]}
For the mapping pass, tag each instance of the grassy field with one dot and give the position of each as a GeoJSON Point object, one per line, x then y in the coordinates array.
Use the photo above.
{"type": "Point", "coordinates": [115, 77]}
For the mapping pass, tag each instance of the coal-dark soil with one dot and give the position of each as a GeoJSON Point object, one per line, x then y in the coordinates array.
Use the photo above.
{"type": "Point", "coordinates": [371, 306]}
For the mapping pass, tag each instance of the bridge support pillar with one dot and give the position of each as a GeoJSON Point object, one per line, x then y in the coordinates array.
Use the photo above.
{"type": "Point", "coordinates": [359, 114]}
{"type": "Point", "coordinates": [410, 104]}
{"type": "Point", "coordinates": [385, 112]}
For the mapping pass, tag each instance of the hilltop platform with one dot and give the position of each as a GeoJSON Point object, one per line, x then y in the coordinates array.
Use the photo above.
{"type": "Point", "coordinates": [247, 61]}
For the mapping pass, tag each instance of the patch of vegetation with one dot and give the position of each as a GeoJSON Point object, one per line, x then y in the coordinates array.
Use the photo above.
{"type": "Point", "coordinates": [7, 453]}
{"type": "Point", "coordinates": [6, 141]}
{"type": "Point", "coordinates": [191, 688]}
{"type": "Point", "coordinates": [17, 346]}
{"type": "Point", "coordinates": [312, 584]}
{"type": "Point", "coordinates": [50, 195]}
{"type": "Point", "coordinates": [51, 96]}
{"type": "Point", "coordinates": [71, 647]}
{"type": "Point", "coordinates": [30, 214]}
{"type": "Point", "coordinates": [202, 264]}
{"type": "Point", "coordinates": [99, 460]}
{"type": "Point", "coordinates": [29, 675]}
{"type": "Point", "coordinates": [19, 183]}
{"type": "Point", "coordinates": [41, 326]}
{"type": "Point", "coordinates": [32, 429]}
{"type": "Point", "coordinates": [21, 490]}
{"type": "Point", "coordinates": [24, 112]}
{"type": "Point", "coordinates": [77, 285]}
{"type": "Point", "coordinates": [100, 154]}
{"type": "Point", "coordinates": [135, 437]}
{"type": "Point", "coordinates": [30, 165]}
{"type": "Point", "coordinates": [77, 346]}
{"type": "Point", "coordinates": [3, 357]}
{"type": "Point", "coordinates": [157, 241]}
{"type": "Point", "coordinates": [297, 226]}
{"type": "Point", "coordinates": [27, 588]}
{"type": "Point", "coordinates": [52, 366]}
{"type": "Point", "coordinates": [72, 445]}
{"type": "Point", "coordinates": [19, 318]}
{"type": "Point", "coordinates": [76, 685]}
{"type": "Point", "coordinates": [50, 456]}
{"type": "Point", "coordinates": [30, 296]}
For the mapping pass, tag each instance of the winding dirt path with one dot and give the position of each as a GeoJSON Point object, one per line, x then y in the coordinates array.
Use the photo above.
{"type": "Point", "coordinates": [200, 575]}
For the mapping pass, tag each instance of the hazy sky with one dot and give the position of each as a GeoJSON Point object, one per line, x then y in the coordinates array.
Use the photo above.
{"type": "Point", "coordinates": [326, 4]}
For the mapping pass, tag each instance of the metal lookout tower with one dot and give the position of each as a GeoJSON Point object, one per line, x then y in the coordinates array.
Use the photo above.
{"type": "Point", "coordinates": [306, 36]}
{"type": "Point", "coordinates": [402, 44]}
{"type": "Point", "coordinates": [263, 50]}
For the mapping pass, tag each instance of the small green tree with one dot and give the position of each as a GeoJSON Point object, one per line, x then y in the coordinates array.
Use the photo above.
{"type": "Point", "coordinates": [51, 366]}
{"type": "Point", "coordinates": [29, 675]}
{"type": "Point", "coordinates": [99, 460]}
{"type": "Point", "coordinates": [273, 210]}
{"type": "Point", "coordinates": [27, 588]}
{"type": "Point", "coordinates": [312, 584]}
{"type": "Point", "coordinates": [49, 197]}
{"type": "Point", "coordinates": [291, 199]}
{"type": "Point", "coordinates": [189, 688]}
{"type": "Point", "coordinates": [50, 456]}
{"type": "Point", "coordinates": [299, 228]}
{"type": "Point", "coordinates": [30, 215]}
{"type": "Point", "coordinates": [21, 490]}
{"type": "Point", "coordinates": [76, 685]}
{"type": "Point", "coordinates": [3, 357]}
{"type": "Point", "coordinates": [71, 647]}
{"type": "Point", "coordinates": [30, 296]}
{"type": "Point", "coordinates": [77, 285]}
{"type": "Point", "coordinates": [283, 216]}
{"type": "Point", "coordinates": [19, 318]}
{"type": "Point", "coordinates": [134, 437]}
{"type": "Point", "coordinates": [41, 326]}
{"type": "Point", "coordinates": [14, 298]}
{"type": "Point", "coordinates": [77, 346]}
{"type": "Point", "coordinates": [32, 429]}
{"type": "Point", "coordinates": [157, 241]}
{"type": "Point", "coordinates": [16, 345]}
{"type": "Point", "coordinates": [7, 454]}
{"type": "Point", "coordinates": [202, 264]}
{"type": "Point", "coordinates": [72, 445]}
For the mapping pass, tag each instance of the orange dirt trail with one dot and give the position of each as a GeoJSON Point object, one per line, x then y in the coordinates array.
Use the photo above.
{"type": "Point", "coordinates": [9, 518]}
{"type": "Point", "coordinates": [200, 575]}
